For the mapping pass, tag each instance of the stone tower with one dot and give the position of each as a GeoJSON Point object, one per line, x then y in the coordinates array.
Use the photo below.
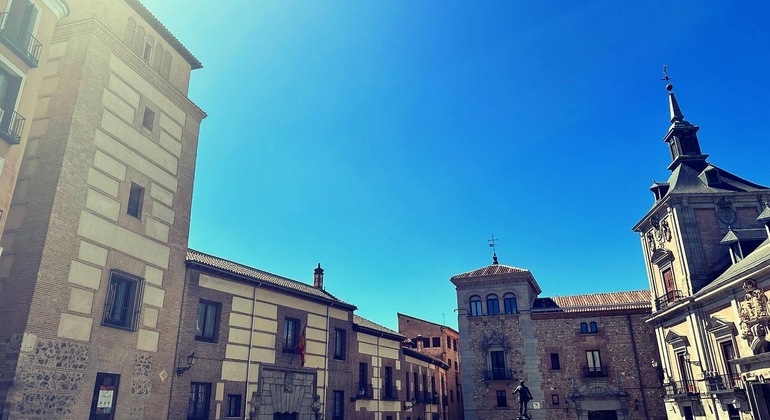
{"type": "Point", "coordinates": [94, 263]}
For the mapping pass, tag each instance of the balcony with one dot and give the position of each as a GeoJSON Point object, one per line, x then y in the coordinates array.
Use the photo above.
{"type": "Point", "coordinates": [444, 400]}
{"type": "Point", "coordinates": [596, 371]}
{"type": "Point", "coordinates": [498, 375]}
{"type": "Point", "coordinates": [722, 383]}
{"type": "Point", "coordinates": [16, 37]}
{"type": "Point", "coordinates": [11, 125]}
{"type": "Point", "coordinates": [667, 299]}
{"type": "Point", "coordinates": [389, 392]}
{"type": "Point", "coordinates": [679, 388]}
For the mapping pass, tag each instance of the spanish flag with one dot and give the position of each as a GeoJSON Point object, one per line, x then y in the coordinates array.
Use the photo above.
{"type": "Point", "coordinates": [301, 347]}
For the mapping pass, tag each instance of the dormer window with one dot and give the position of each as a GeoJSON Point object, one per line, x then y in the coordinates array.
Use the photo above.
{"type": "Point", "coordinates": [712, 176]}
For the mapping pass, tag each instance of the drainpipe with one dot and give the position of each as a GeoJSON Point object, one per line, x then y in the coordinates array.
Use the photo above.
{"type": "Point", "coordinates": [248, 357]}
{"type": "Point", "coordinates": [326, 359]}
{"type": "Point", "coordinates": [638, 367]}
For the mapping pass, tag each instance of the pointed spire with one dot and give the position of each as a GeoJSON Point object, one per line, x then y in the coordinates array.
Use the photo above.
{"type": "Point", "coordinates": [673, 105]}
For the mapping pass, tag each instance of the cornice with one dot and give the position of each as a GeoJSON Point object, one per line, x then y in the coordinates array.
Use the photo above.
{"type": "Point", "coordinates": [60, 8]}
{"type": "Point", "coordinates": [117, 47]}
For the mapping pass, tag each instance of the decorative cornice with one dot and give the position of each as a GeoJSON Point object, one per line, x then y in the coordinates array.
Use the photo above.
{"type": "Point", "coordinates": [60, 8]}
{"type": "Point", "coordinates": [117, 47]}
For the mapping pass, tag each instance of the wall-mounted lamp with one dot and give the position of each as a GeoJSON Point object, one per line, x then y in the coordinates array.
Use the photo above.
{"type": "Point", "coordinates": [191, 359]}
{"type": "Point", "coordinates": [411, 403]}
{"type": "Point", "coordinates": [636, 404]}
{"type": "Point", "coordinates": [687, 359]}
{"type": "Point", "coordinates": [736, 403]}
{"type": "Point", "coordinates": [360, 394]}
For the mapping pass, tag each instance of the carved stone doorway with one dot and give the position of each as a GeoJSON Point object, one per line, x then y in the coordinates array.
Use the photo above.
{"type": "Point", "coordinates": [603, 415]}
{"type": "Point", "coordinates": [286, 416]}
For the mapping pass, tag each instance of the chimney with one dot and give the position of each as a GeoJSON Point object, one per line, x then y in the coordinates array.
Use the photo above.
{"type": "Point", "coordinates": [318, 277]}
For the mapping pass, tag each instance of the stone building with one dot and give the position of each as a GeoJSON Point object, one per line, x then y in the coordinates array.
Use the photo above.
{"type": "Point", "coordinates": [96, 235]}
{"type": "Point", "coordinates": [585, 357]}
{"type": "Point", "coordinates": [438, 341]}
{"type": "Point", "coordinates": [706, 249]}
{"type": "Point", "coordinates": [239, 353]}
{"type": "Point", "coordinates": [26, 30]}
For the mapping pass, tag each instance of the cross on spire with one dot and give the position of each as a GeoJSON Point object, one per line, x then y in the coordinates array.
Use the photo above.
{"type": "Point", "coordinates": [493, 245]}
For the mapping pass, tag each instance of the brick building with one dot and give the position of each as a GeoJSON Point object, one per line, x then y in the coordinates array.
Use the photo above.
{"type": "Point", "coordinates": [440, 342]}
{"type": "Point", "coordinates": [585, 357]}
{"type": "Point", "coordinates": [96, 235]}
{"type": "Point", "coordinates": [707, 254]}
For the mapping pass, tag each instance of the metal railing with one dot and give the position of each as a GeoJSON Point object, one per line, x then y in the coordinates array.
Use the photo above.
{"type": "Point", "coordinates": [17, 38]}
{"type": "Point", "coordinates": [668, 298]}
{"type": "Point", "coordinates": [363, 392]}
{"type": "Point", "coordinates": [687, 387]}
{"type": "Point", "coordinates": [722, 382]}
{"type": "Point", "coordinates": [498, 375]}
{"type": "Point", "coordinates": [595, 371]}
{"type": "Point", "coordinates": [11, 124]}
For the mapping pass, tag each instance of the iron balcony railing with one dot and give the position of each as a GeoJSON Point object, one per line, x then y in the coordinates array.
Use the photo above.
{"type": "Point", "coordinates": [668, 298]}
{"type": "Point", "coordinates": [444, 400]}
{"type": "Point", "coordinates": [389, 392]}
{"type": "Point", "coordinates": [686, 387]}
{"type": "Point", "coordinates": [11, 124]}
{"type": "Point", "coordinates": [722, 382]}
{"type": "Point", "coordinates": [498, 375]}
{"type": "Point", "coordinates": [595, 371]}
{"type": "Point", "coordinates": [16, 37]}
{"type": "Point", "coordinates": [363, 392]}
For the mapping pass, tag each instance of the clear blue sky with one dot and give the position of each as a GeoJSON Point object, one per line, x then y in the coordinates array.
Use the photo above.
{"type": "Point", "coordinates": [388, 140]}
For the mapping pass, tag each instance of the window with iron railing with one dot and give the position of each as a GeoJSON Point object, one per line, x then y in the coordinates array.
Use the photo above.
{"type": "Point", "coordinates": [11, 123]}
{"type": "Point", "coordinates": [124, 296]}
{"type": "Point", "coordinates": [16, 27]}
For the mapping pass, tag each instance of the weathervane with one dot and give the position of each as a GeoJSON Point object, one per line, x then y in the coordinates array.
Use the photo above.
{"type": "Point", "coordinates": [493, 245]}
{"type": "Point", "coordinates": [669, 86]}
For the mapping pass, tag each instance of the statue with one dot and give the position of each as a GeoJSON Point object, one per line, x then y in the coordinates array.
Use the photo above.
{"type": "Point", "coordinates": [524, 397]}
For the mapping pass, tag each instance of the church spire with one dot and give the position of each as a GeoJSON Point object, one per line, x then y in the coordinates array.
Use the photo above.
{"type": "Point", "coordinates": [682, 136]}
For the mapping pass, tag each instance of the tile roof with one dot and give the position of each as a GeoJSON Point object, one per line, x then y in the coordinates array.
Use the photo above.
{"type": "Point", "coordinates": [491, 270]}
{"type": "Point", "coordinates": [756, 258]}
{"type": "Point", "coordinates": [427, 322]}
{"type": "Point", "coordinates": [687, 179]}
{"type": "Point", "coordinates": [259, 275]}
{"type": "Point", "coordinates": [363, 322]}
{"type": "Point", "coordinates": [635, 299]}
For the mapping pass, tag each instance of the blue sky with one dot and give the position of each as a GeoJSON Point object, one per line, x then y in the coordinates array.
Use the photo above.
{"type": "Point", "coordinates": [388, 140]}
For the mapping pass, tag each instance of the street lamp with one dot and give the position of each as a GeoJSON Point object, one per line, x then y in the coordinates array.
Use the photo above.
{"type": "Point", "coordinates": [191, 359]}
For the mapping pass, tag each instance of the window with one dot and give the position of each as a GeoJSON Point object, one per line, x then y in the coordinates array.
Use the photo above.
{"type": "Point", "coordinates": [18, 31]}
{"type": "Point", "coordinates": [147, 52]}
{"type": "Point", "coordinates": [148, 120]}
{"type": "Point", "coordinates": [594, 361]}
{"type": "Point", "coordinates": [11, 123]}
{"type": "Point", "coordinates": [340, 343]}
{"type": "Point", "coordinates": [449, 342]}
{"type": "Point", "coordinates": [290, 335]}
{"type": "Point", "coordinates": [124, 295]}
{"type": "Point", "coordinates": [208, 321]}
{"type": "Point", "coordinates": [198, 402]}
{"type": "Point", "coordinates": [583, 328]}
{"type": "Point", "coordinates": [233, 405]}
{"type": "Point", "coordinates": [501, 401]}
{"type": "Point", "coordinates": [363, 376]}
{"type": "Point", "coordinates": [555, 399]}
{"type": "Point", "coordinates": [493, 305]}
{"type": "Point", "coordinates": [436, 341]}
{"type": "Point", "coordinates": [105, 397]}
{"type": "Point", "coordinates": [389, 391]}
{"type": "Point", "coordinates": [455, 364]}
{"type": "Point", "coordinates": [555, 364]}
{"type": "Point", "coordinates": [592, 328]}
{"type": "Point", "coordinates": [426, 342]}
{"type": "Point", "coordinates": [406, 384]}
{"type": "Point", "coordinates": [425, 397]}
{"type": "Point", "coordinates": [476, 306]}
{"type": "Point", "coordinates": [497, 359]}
{"type": "Point", "coordinates": [669, 284]}
{"type": "Point", "coordinates": [454, 342]}
{"type": "Point", "coordinates": [417, 396]}
{"type": "Point", "coordinates": [509, 302]}
{"type": "Point", "coordinates": [338, 405]}
{"type": "Point", "coordinates": [135, 198]}
{"type": "Point", "coordinates": [449, 362]}
{"type": "Point", "coordinates": [728, 353]}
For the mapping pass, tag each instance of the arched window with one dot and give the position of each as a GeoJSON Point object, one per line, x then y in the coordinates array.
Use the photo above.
{"type": "Point", "coordinates": [592, 327]}
{"type": "Point", "coordinates": [476, 306]}
{"type": "Point", "coordinates": [509, 303]}
{"type": "Point", "coordinates": [493, 305]}
{"type": "Point", "coordinates": [583, 328]}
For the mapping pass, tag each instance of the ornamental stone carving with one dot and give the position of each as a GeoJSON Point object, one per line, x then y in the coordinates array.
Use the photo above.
{"type": "Point", "coordinates": [755, 317]}
{"type": "Point", "coordinates": [658, 235]}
